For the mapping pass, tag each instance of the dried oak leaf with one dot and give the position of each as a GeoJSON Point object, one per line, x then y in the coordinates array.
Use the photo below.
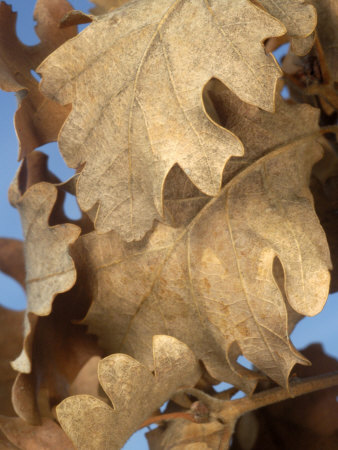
{"type": "Point", "coordinates": [49, 267]}
{"type": "Point", "coordinates": [38, 119]}
{"type": "Point", "coordinates": [49, 380]}
{"type": "Point", "coordinates": [135, 79]}
{"type": "Point", "coordinates": [59, 350]}
{"type": "Point", "coordinates": [211, 284]}
{"type": "Point", "coordinates": [134, 391]}
{"type": "Point", "coordinates": [299, 18]}
{"type": "Point", "coordinates": [260, 132]}
{"type": "Point", "coordinates": [47, 436]}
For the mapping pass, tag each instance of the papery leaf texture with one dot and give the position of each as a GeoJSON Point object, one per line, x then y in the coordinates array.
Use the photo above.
{"type": "Point", "coordinates": [210, 284]}
{"type": "Point", "coordinates": [134, 391]}
{"type": "Point", "coordinates": [49, 267]}
{"type": "Point", "coordinates": [299, 18]}
{"type": "Point", "coordinates": [128, 141]}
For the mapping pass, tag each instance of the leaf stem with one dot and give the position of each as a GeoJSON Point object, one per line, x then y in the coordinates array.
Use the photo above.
{"type": "Point", "coordinates": [169, 416]}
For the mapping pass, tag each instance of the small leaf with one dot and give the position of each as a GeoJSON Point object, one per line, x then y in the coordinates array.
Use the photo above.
{"type": "Point", "coordinates": [134, 391]}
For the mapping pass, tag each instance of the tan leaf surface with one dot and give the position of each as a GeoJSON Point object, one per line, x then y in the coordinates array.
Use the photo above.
{"type": "Point", "coordinates": [47, 436]}
{"type": "Point", "coordinates": [38, 119]}
{"type": "Point", "coordinates": [211, 284]}
{"type": "Point", "coordinates": [103, 6]}
{"type": "Point", "coordinates": [299, 18]}
{"type": "Point", "coordinates": [128, 141]}
{"type": "Point", "coordinates": [259, 131]}
{"type": "Point", "coordinates": [134, 391]}
{"type": "Point", "coordinates": [49, 267]}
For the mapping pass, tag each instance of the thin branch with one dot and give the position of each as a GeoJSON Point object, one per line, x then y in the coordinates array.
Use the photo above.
{"type": "Point", "coordinates": [230, 410]}
{"type": "Point", "coordinates": [236, 408]}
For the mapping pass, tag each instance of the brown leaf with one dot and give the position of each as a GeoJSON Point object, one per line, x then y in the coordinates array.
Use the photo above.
{"type": "Point", "coordinates": [47, 436]}
{"type": "Point", "coordinates": [129, 142]}
{"type": "Point", "coordinates": [60, 349]}
{"type": "Point", "coordinates": [211, 284]}
{"type": "Point", "coordinates": [86, 381]}
{"type": "Point", "coordinates": [134, 391]}
{"type": "Point", "coordinates": [181, 435]}
{"type": "Point", "coordinates": [38, 119]}
{"type": "Point", "coordinates": [299, 18]}
{"type": "Point", "coordinates": [12, 259]}
{"type": "Point", "coordinates": [11, 323]}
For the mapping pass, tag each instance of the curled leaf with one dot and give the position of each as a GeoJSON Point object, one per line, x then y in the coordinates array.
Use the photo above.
{"type": "Point", "coordinates": [38, 119]}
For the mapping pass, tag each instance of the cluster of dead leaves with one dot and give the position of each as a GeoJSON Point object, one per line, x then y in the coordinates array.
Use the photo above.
{"type": "Point", "coordinates": [200, 239]}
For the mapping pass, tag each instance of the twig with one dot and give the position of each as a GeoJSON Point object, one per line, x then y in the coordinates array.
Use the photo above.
{"type": "Point", "coordinates": [230, 410]}
{"type": "Point", "coordinates": [236, 408]}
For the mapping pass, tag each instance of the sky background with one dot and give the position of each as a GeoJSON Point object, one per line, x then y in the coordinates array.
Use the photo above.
{"type": "Point", "coordinates": [322, 328]}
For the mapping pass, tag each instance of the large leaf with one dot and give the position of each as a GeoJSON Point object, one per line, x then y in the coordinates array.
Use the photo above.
{"type": "Point", "coordinates": [211, 284]}
{"type": "Point", "coordinates": [134, 391]}
{"type": "Point", "coordinates": [146, 113]}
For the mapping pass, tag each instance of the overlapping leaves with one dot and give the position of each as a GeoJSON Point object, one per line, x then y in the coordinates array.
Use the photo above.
{"type": "Point", "coordinates": [151, 137]}
{"type": "Point", "coordinates": [127, 141]}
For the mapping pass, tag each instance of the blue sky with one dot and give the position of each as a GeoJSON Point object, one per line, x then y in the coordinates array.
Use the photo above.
{"type": "Point", "coordinates": [322, 328]}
